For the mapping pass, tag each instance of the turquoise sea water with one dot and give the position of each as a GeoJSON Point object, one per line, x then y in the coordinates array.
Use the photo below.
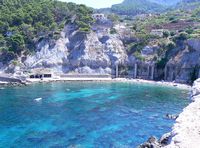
{"type": "Point", "coordinates": [86, 114]}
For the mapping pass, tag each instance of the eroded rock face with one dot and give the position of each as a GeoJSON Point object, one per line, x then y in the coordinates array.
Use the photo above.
{"type": "Point", "coordinates": [194, 44]}
{"type": "Point", "coordinates": [183, 67]}
{"type": "Point", "coordinates": [98, 52]}
{"type": "Point", "coordinates": [149, 50]}
{"type": "Point", "coordinates": [47, 56]}
{"type": "Point", "coordinates": [79, 52]}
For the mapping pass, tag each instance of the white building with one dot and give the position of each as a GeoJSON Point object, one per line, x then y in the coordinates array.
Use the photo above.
{"type": "Point", "coordinates": [99, 16]}
{"type": "Point", "coordinates": [157, 32]}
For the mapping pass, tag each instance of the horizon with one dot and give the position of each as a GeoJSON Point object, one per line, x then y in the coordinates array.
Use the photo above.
{"type": "Point", "coordinates": [95, 4]}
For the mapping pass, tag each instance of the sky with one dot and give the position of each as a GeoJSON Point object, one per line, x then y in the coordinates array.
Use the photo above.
{"type": "Point", "coordinates": [96, 3]}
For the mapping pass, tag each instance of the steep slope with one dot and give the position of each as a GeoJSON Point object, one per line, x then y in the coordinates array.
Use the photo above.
{"type": "Point", "coordinates": [190, 1]}
{"type": "Point", "coordinates": [78, 44]}
{"type": "Point", "coordinates": [133, 7]}
{"type": "Point", "coordinates": [23, 23]}
{"type": "Point", "coordinates": [188, 5]}
{"type": "Point", "coordinates": [78, 52]}
{"type": "Point", "coordinates": [166, 2]}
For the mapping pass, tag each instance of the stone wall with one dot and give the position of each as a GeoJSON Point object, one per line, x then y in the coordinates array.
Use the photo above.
{"type": "Point", "coordinates": [11, 80]}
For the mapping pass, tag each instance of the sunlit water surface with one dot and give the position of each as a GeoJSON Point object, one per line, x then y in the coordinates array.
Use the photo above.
{"type": "Point", "coordinates": [86, 114]}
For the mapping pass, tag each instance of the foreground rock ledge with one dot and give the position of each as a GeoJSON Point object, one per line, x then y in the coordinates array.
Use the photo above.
{"type": "Point", "coordinates": [186, 131]}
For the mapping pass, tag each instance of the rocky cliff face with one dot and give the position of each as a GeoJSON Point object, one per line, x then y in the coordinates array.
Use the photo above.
{"type": "Point", "coordinates": [99, 51]}
{"type": "Point", "coordinates": [96, 52]}
{"type": "Point", "coordinates": [185, 63]}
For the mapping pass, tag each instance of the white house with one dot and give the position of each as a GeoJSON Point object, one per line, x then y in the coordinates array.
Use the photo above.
{"type": "Point", "coordinates": [99, 16]}
{"type": "Point", "coordinates": [157, 32]}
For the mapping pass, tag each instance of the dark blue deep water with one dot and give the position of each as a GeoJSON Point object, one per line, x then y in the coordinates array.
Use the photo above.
{"type": "Point", "coordinates": [86, 114]}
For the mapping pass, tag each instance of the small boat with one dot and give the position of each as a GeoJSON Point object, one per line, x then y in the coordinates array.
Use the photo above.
{"type": "Point", "coordinates": [38, 99]}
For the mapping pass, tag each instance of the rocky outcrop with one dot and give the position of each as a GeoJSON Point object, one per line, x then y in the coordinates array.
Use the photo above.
{"type": "Point", "coordinates": [100, 51]}
{"type": "Point", "coordinates": [149, 50]}
{"type": "Point", "coordinates": [165, 139]}
{"type": "Point", "coordinates": [171, 117]}
{"type": "Point", "coordinates": [186, 131]}
{"type": "Point", "coordinates": [184, 65]}
{"type": "Point", "coordinates": [152, 142]}
{"type": "Point", "coordinates": [194, 44]}
{"type": "Point", "coordinates": [79, 52]}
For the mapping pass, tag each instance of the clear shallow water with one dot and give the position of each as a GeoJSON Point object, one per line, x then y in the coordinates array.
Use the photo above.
{"type": "Point", "coordinates": [86, 114]}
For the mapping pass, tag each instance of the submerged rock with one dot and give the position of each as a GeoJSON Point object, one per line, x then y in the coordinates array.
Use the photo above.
{"type": "Point", "coordinates": [171, 117]}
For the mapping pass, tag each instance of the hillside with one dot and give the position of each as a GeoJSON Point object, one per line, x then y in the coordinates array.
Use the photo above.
{"type": "Point", "coordinates": [166, 2]}
{"type": "Point", "coordinates": [133, 7]}
{"type": "Point", "coordinates": [23, 23]}
{"type": "Point", "coordinates": [188, 5]}
{"type": "Point", "coordinates": [70, 38]}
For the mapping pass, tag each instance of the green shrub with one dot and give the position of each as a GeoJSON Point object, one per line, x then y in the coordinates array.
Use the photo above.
{"type": "Point", "coordinates": [171, 45]}
{"type": "Point", "coordinates": [166, 34]}
{"type": "Point", "coordinates": [139, 56]}
{"type": "Point", "coordinates": [15, 63]}
{"type": "Point", "coordinates": [172, 33]}
{"type": "Point", "coordinates": [86, 29]}
{"type": "Point", "coordinates": [23, 22]}
{"type": "Point", "coordinates": [182, 36]}
{"type": "Point", "coordinates": [113, 31]}
{"type": "Point", "coordinates": [189, 31]}
{"type": "Point", "coordinates": [161, 63]}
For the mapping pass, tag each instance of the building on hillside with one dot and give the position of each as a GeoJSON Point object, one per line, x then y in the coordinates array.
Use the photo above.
{"type": "Point", "coordinates": [99, 16]}
{"type": "Point", "coordinates": [158, 32]}
{"type": "Point", "coordinates": [41, 73]}
{"type": "Point", "coordinates": [144, 16]}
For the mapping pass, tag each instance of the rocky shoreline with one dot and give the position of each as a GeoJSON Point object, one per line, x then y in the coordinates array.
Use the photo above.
{"type": "Point", "coordinates": [12, 84]}
{"type": "Point", "coordinates": [186, 130]}
{"type": "Point", "coordinates": [122, 80]}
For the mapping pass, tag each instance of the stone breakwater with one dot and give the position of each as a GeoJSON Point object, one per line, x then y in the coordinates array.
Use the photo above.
{"type": "Point", "coordinates": [186, 130]}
